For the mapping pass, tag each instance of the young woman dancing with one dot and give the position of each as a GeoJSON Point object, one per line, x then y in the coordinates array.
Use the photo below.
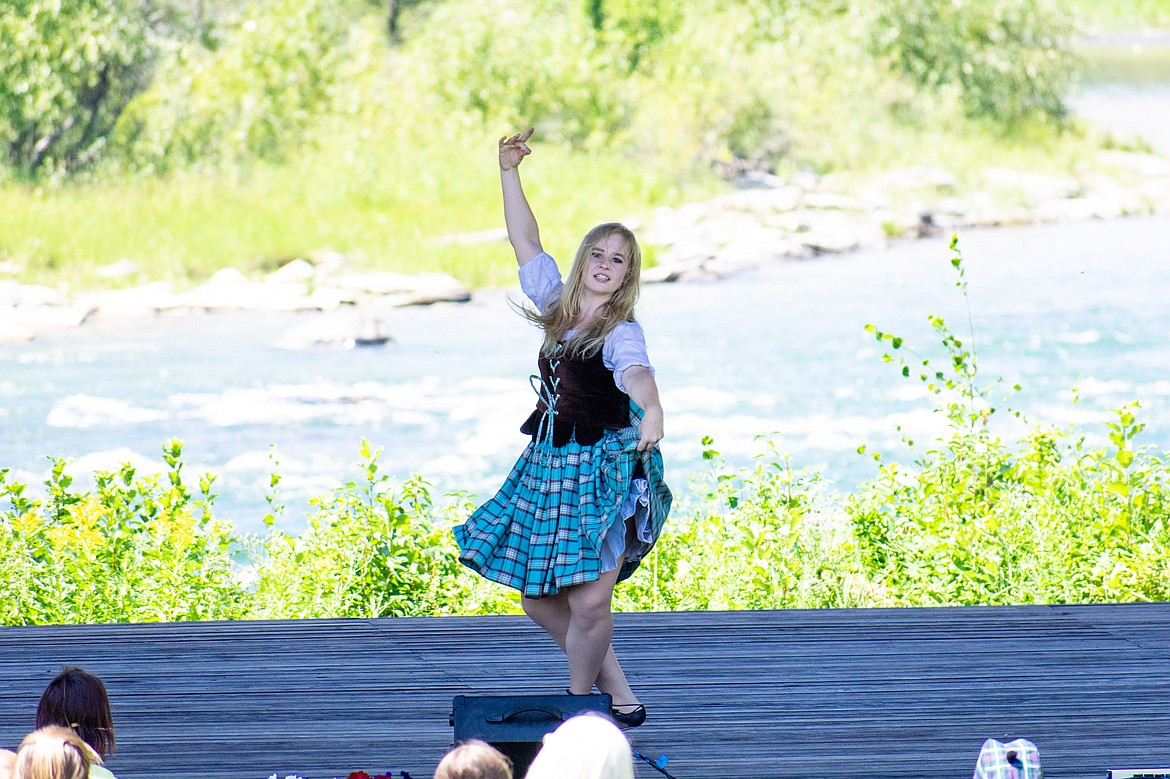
{"type": "Point", "coordinates": [586, 500]}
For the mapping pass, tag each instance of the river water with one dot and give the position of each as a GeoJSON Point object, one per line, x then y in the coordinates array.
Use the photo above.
{"type": "Point", "coordinates": [780, 350]}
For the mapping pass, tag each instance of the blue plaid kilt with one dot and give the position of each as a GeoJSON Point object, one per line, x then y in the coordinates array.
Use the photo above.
{"type": "Point", "coordinates": [544, 528]}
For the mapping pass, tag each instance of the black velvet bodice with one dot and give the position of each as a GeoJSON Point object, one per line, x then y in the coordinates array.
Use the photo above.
{"type": "Point", "coordinates": [583, 398]}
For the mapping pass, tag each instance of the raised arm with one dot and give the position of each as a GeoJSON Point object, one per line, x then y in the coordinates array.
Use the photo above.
{"type": "Point", "coordinates": [522, 230]}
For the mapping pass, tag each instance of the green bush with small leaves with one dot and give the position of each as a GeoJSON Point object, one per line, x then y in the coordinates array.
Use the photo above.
{"type": "Point", "coordinates": [133, 549]}
{"type": "Point", "coordinates": [976, 520]}
{"type": "Point", "coordinates": [370, 550]}
{"type": "Point", "coordinates": [143, 549]}
{"type": "Point", "coordinates": [763, 537]}
{"type": "Point", "coordinates": [1049, 522]}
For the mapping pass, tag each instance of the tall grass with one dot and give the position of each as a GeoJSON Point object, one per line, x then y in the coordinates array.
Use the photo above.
{"type": "Point", "coordinates": [414, 210]}
{"type": "Point", "coordinates": [1102, 16]}
{"type": "Point", "coordinates": [396, 209]}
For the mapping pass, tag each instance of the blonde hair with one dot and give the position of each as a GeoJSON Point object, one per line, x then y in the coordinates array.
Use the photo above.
{"type": "Point", "coordinates": [562, 314]}
{"type": "Point", "coordinates": [474, 759]}
{"type": "Point", "coordinates": [54, 752]}
{"type": "Point", "coordinates": [588, 746]}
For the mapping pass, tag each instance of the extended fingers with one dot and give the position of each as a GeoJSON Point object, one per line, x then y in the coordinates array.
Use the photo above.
{"type": "Point", "coordinates": [518, 140]}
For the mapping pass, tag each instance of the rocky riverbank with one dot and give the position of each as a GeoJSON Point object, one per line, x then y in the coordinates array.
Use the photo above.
{"type": "Point", "coordinates": [765, 219]}
{"type": "Point", "coordinates": [768, 219]}
{"type": "Point", "coordinates": [323, 283]}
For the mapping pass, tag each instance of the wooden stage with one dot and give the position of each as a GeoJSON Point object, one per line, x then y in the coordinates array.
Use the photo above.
{"type": "Point", "coordinates": [863, 694]}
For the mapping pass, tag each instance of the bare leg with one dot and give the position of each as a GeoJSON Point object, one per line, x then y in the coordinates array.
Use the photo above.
{"type": "Point", "coordinates": [578, 619]}
{"type": "Point", "coordinates": [551, 613]}
{"type": "Point", "coordinates": [587, 641]}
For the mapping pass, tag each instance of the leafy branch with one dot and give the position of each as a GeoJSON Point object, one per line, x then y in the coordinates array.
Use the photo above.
{"type": "Point", "coordinates": [967, 404]}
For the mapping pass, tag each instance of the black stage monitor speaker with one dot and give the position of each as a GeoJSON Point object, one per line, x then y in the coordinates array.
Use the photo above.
{"type": "Point", "coordinates": [516, 724]}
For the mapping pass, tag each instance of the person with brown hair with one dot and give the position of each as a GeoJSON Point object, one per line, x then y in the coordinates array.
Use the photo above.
{"type": "Point", "coordinates": [77, 700]}
{"type": "Point", "coordinates": [474, 759]}
{"type": "Point", "coordinates": [54, 752]}
{"type": "Point", "coordinates": [587, 499]}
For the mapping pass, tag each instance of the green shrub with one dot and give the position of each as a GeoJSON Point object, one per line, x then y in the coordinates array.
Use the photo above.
{"type": "Point", "coordinates": [762, 537]}
{"type": "Point", "coordinates": [369, 551]}
{"type": "Point", "coordinates": [139, 549]}
{"type": "Point", "coordinates": [135, 549]}
{"type": "Point", "coordinates": [977, 521]}
{"type": "Point", "coordinates": [972, 522]}
{"type": "Point", "coordinates": [1052, 522]}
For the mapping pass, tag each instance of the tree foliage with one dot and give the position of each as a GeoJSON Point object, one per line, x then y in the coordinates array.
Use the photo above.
{"type": "Point", "coordinates": [508, 65]}
{"type": "Point", "coordinates": [251, 95]}
{"type": "Point", "coordinates": [160, 85]}
{"type": "Point", "coordinates": [1007, 60]}
{"type": "Point", "coordinates": [70, 68]}
{"type": "Point", "coordinates": [634, 27]}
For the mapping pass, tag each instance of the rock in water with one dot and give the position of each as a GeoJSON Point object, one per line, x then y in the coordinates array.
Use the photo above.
{"type": "Point", "coordinates": [339, 330]}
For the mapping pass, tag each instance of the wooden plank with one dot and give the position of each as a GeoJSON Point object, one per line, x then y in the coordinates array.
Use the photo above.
{"type": "Point", "coordinates": [839, 693]}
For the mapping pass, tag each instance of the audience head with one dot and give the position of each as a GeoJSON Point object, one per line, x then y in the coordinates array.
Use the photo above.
{"type": "Point", "coordinates": [473, 759]}
{"type": "Point", "coordinates": [53, 752]}
{"type": "Point", "coordinates": [77, 700]}
{"type": "Point", "coordinates": [588, 746]}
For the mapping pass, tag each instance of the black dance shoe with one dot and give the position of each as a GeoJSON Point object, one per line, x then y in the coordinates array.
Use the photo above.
{"type": "Point", "coordinates": [627, 717]}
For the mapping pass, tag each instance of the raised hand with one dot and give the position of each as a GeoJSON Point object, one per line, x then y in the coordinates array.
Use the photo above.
{"type": "Point", "coordinates": [513, 149]}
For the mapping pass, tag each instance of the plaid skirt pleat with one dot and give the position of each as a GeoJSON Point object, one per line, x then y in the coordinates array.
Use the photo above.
{"type": "Point", "coordinates": [543, 530]}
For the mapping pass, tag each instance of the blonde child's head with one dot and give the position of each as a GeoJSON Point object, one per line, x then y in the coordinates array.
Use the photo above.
{"type": "Point", "coordinates": [588, 746]}
{"type": "Point", "coordinates": [53, 752]}
{"type": "Point", "coordinates": [621, 303]}
{"type": "Point", "coordinates": [562, 317]}
{"type": "Point", "coordinates": [473, 759]}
